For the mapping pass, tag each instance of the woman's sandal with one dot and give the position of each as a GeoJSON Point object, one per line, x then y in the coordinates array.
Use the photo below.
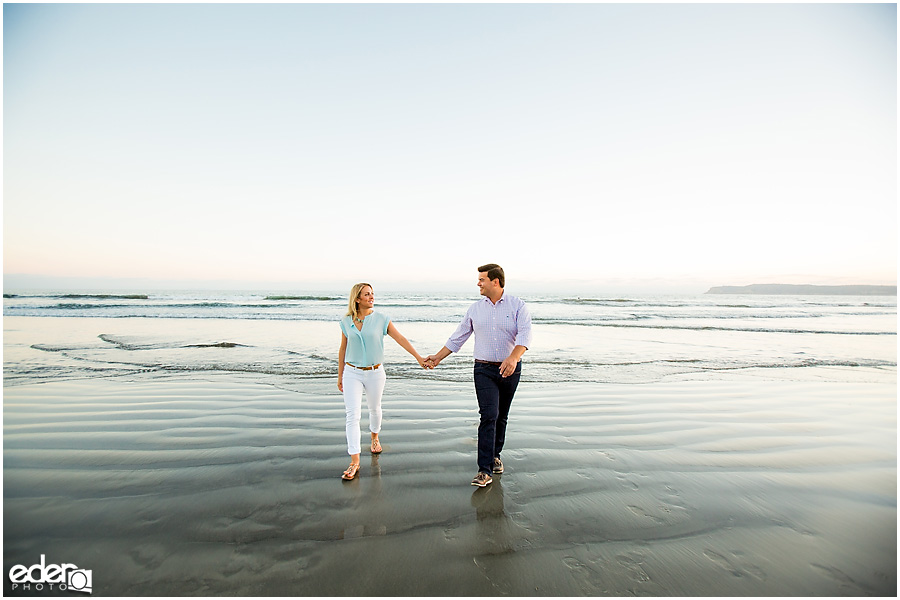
{"type": "Point", "coordinates": [376, 447]}
{"type": "Point", "coordinates": [351, 472]}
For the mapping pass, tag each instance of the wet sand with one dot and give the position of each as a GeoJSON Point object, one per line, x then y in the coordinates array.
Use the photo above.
{"type": "Point", "coordinates": [190, 484]}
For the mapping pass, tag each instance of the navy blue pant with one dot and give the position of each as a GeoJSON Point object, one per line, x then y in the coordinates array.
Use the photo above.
{"type": "Point", "coordinates": [495, 395]}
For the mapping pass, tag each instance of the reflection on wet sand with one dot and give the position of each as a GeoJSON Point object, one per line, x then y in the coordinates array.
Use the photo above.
{"type": "Point", "coordinates": [495, 533]}
{"type": "Point", "coordinates": [368, 499]}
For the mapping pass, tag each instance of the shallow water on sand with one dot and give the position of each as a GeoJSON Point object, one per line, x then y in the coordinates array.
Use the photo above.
{"type": "Point", "coordinates": [228, 484]}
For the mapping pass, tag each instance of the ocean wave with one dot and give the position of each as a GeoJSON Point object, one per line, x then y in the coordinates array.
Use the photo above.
{"type": "Point", "coordinates": [852, 305]}
{"type": "Point", "coordinates": [588, 363]}
{"type": "Point", "coordinates": [240, 312]}
{"type": "Point", "coordinates": [180, 305]}
{"type": "Point", "coordinates": [51, 348]}
{"type": "Point", "coordinates": [706, 365]}
{"type": "Point", "coordinates": [102, 297]}
{"type": "Point", "coordinates": [130, 345]}
{"type": "Point", "coordinates": [629, 316]}
{"type": "Point", "coordinates": [637, 325]}
{"type": "Point", "coordinates": [160, 305]}
{"type": "Point", "coordinates": [317, 298]}
{"type": "Point", "coordinates": [537, 371]}
{"type": "Point", "coordinates": [80, 306]}
{"type": "Point", "coordinates": [80, 296]}
{"type": "Point", "coordinates": [596, 301]}
{"type": "Point", "coordinates": [237, 314]}
{"type": "Point", "coordinates": [804, 364]}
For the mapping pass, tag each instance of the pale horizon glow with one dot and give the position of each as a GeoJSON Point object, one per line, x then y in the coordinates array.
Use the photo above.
{"type": "Point", "coordinates": [596, 146]}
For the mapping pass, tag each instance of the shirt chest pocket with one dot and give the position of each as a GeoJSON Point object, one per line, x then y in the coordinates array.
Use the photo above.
{"type": "Point", "coordinates": [505, 323]}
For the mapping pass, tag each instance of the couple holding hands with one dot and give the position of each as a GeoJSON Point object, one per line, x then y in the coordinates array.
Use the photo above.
{"type": "Point", "coordinates": [502, 327]}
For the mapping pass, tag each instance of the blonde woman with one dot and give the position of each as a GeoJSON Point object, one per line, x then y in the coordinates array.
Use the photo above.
{"type": "Point", "coordinates": [361, 368]}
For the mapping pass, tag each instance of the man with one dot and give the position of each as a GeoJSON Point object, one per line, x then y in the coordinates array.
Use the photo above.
{"type": "Point", "coordinates": [502, 327]}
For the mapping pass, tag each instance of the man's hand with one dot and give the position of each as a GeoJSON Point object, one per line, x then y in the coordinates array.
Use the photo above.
{"type": "Point", "coordinates": [436, 358]}
{"type": "Point", "coordinates": [508, 366]}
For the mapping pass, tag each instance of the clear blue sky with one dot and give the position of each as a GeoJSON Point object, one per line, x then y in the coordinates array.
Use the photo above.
{"type": "Point", "coordinates": [670, 146]}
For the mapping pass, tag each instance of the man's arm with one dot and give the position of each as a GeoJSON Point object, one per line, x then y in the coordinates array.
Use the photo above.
{"type": "Point", "coordinates": [435, 359]}
{"type": "Point", "coordinates": [459, 337]}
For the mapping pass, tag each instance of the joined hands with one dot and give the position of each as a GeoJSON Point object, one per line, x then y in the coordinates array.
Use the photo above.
{"type": "Point", "coordinates": [429, 362]}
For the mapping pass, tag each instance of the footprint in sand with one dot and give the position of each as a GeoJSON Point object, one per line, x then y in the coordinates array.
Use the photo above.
{"type": "Point", "coordinates": [674, 498]}
{"type": "Point", "coordinates": [842, 579]}
{"type": "Point", "coordinates": [642, 513]}
{"type": "Point", "coordinates": [149, 556]}
{"type": "Point", "coordinates": [624, 478]}
{"type": "Point", "coordinates": [633, 567]}
{"type": "Point", "coordinates": [588, 576]}
{"type": "Point", "coordinates": [732, 568]}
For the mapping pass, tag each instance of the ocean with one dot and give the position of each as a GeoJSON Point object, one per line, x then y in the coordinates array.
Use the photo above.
{"type": "Point", "coordinates": [628, 339]}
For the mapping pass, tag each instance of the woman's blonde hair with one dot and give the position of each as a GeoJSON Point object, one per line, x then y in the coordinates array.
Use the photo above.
{"type": "Point", "coordinates": [352, 305]}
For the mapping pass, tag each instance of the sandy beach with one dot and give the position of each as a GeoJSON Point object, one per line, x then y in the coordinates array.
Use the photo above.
{"type": "Point", "coordinates": [225, 484]}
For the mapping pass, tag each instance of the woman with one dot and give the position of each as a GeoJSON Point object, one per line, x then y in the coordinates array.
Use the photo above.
{"type": "Point", "coordinates": [360, 367]}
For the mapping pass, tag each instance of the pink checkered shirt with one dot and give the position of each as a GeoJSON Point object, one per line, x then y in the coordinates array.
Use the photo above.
{"type": "Point", "coordinates": [498, 328]}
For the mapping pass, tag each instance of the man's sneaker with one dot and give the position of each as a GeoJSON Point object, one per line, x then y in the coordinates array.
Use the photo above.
{"type": "Point", "coordinates": [482, 479]}
{"type": "Point", "coordinates": [498, 465]}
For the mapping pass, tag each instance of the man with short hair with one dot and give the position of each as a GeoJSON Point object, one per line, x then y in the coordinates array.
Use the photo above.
{"type": "Point", "coordinates": [502, 327]}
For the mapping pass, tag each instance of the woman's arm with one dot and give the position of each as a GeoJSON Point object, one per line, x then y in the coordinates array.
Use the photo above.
{"type": "Point", "coordinates": [341, 353]}
{"type": "Point", "coordinates": [404, 343]}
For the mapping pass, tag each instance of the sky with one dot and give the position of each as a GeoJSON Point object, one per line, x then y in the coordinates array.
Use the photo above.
{"type": "Point", "coordinates": [596, 146]}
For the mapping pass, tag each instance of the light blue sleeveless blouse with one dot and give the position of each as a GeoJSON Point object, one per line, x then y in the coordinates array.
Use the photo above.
{"type": "Point", "coordinates": [365, 348]}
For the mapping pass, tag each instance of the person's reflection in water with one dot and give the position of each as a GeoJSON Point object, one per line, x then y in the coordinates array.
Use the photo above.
{"type": "Point", "coordinates": [493, 530]}
{"type": "Point", "coordinates": [375, 474]}
{"type": "Point", "coordinates": [364, 517]}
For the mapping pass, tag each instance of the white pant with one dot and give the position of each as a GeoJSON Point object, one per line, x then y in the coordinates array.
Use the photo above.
{"type": "Point", "coordinates": [355, 382]}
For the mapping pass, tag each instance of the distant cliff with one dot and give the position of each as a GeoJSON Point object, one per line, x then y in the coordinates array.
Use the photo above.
{"type": "Point", "coordinates": [778, 288]}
